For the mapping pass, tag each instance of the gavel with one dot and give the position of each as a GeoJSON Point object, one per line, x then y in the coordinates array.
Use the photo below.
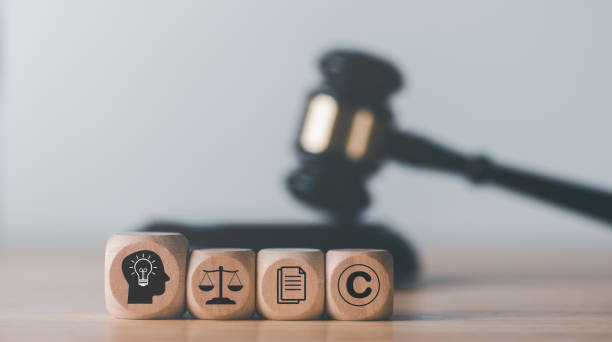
{"type": "Point", "coordinates": [348, 130]}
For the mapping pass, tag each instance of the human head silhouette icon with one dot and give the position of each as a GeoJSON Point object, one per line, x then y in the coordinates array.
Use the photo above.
{"type": "Point", "coordinates": [144, 272]}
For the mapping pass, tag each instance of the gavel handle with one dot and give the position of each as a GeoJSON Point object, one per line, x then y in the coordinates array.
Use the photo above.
{"type": "Point", "coordinates": [420, 152]}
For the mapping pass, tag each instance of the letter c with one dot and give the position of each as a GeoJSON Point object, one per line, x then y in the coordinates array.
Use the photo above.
{"type": "Point", "coordinates": [350, 284]}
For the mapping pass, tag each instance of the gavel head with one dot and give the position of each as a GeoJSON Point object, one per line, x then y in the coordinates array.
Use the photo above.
{"type": "Point", "coordinates": [341, 137]}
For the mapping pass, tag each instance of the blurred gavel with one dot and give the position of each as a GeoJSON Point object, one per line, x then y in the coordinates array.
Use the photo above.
{"type": "Point", "coordinates": [347, 131]}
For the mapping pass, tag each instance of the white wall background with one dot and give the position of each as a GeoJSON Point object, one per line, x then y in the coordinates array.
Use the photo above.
{"type": "Point", "coordinates": [118, 112]}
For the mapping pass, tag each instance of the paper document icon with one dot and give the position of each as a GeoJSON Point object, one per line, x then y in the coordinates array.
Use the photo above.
{"type": "Point", "coordinates": [291, 285]}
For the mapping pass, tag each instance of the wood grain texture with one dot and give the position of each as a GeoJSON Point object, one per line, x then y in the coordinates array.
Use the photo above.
{"type": "Point", "coordinates": [200, 302]}
{"type": "Point", "coordinates": [476, 294]}
{"type": "Point", "coordinates": [144, 275]}
{"type": "Point", "coordinates": [290, 283]}
{"type": "Point", "coordinates": [359, 284]}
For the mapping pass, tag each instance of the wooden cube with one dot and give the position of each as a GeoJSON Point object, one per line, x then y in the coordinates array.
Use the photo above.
{"type": "Point", "coordinates": [144, 275]}
{"type": "Point", "coordinates": [221, 283]}
{"type": "Point", "coordinates": [290, 283]}
{"type": "Point", "coordinates": [359, 284]}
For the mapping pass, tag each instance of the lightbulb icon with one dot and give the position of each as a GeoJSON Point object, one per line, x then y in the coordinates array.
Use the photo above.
{"type": "Point", "coordinates": [145, 275]}
{"type": "Point", "coordinates": [143, 267]}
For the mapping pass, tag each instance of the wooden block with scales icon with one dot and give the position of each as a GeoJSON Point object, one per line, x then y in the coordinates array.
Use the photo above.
{"type": "Point", "coordinates": [221, 283]}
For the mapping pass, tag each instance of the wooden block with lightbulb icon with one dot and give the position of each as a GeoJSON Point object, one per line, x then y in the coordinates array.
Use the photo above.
{"type": "Point", "coordinates": [359, 284]}
{"type": "Point", "coordinates": [221, 283]}
{"type": "Point", "coordinates": [290, 283]}
{"type": "Point", "coordinates": [144, 275]}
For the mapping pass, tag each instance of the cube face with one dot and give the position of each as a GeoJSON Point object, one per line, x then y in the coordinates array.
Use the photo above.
{"type": "Point", "coordinates": [221, 283]}
{"type": "Point", "coordinates": [359, 284]}
{"type": "Point", "coordinates": [144, 275]}
{"type": "Point", "coordinates": [290, 283]}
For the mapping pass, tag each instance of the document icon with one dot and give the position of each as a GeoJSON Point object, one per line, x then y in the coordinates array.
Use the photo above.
{"type": "Point", "coordinates": [291, 285]}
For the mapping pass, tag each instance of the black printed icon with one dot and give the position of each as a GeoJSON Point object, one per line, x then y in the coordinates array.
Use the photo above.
{"type": "Point", "coordinates": [358, 285]}
{"type": "Point", "coordinates": [206, 284]}
{"type": "Point", "coordinates": [290, 285]}
{"type": "Point", "coordinates": [144, 272]}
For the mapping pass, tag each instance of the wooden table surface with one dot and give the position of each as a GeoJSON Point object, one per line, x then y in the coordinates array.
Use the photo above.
{"type": "Point", "coordinates": [463, 296]}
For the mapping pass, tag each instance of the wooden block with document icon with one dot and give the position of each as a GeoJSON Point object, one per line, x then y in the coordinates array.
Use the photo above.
{"type": "Point", "coordinates": [290, 283]}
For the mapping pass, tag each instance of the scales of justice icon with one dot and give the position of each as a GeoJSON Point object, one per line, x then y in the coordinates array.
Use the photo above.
{"type": "Point", "coordinates": [206, 284]}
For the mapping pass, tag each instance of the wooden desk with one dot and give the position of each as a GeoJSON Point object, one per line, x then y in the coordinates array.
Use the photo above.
{"type": "Point", "coordinates": [465, 296]}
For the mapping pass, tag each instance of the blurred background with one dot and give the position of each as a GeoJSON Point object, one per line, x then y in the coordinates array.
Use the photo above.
{"type": "Point", "coordinates": [116, 113]}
